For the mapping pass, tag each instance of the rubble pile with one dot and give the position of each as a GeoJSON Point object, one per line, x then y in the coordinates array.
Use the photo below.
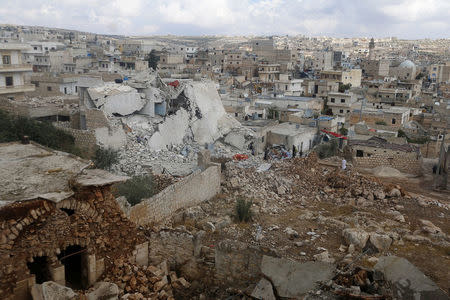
{"type": "Point", "coordinates": [361, 283]}
{"type": "Point", "coordinates": [141, 282]}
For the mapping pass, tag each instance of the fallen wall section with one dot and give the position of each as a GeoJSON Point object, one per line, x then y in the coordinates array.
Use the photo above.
{"type": "Point", "coordinates": [192, 190]}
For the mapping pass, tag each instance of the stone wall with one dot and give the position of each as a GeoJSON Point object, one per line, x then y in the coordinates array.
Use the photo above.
{"type": "Point", "coordinates": [40, 228]}
{"type": "Point", "coordinates": [236, 262]}
{"type": "Point", "coordinates": [193, 189]}
{"type": "Point", "coordinates": [95, 118]}
{"type": "Point", "coordinates": [84, 139]}
{"type": "Point", "coordinates": [407, 162]}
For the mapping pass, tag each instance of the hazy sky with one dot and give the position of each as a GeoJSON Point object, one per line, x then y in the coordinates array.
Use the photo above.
{"type": "Point", "coordinates": [341, 18]}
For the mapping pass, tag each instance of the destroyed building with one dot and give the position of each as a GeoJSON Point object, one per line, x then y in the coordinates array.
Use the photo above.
{"type": "Point", "coordinates": [61, 224]}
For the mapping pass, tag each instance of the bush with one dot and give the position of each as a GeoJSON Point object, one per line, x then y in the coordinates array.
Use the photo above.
{"type": "Point", "coordinates": [380, 123]}
{"type": "Point", "coordinates": [244, 214]}
{"type": "Point", "coordinates": [13, 128]}
{"type": "Point", "coordinates": [137, 188]}
{"type": "Point", "coordinates": [105, 158]}
{"type": "Point", "coordinates": [343, 131]}
{"type": "Point", "coordinates": [343, 87]}
{"type": "Point", "coordinates": [327, 149]}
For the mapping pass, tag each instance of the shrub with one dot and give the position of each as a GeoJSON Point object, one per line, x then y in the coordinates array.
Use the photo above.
{"type": "Point", "coordinates": [137, 188]}
{"type": "Point", "coordinates": [343, 131]}
{"type": "Point", "coordinates": [380, 123]}
{"type": "Point", "coordinates": [13, 128]}
{"type": "Point", "coordinates": [105, 158]}
{"type": "Point", "coordinates": [244, 214]}
{"type": "Point", "coordinates": [327, 149]}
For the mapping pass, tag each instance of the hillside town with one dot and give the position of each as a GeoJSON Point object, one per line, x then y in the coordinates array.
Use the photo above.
{"type": "Point", "coordinates": [223, 167]}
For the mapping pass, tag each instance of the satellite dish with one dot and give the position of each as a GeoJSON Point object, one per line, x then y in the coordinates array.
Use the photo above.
{"type": "Point", "coordinates": [245, 95]}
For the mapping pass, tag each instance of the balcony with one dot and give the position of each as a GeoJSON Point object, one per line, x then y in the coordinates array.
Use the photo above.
{"type": "Point", "coordinates": [17, 89]}
{"type": "Point", "coordinates": [16, 68]}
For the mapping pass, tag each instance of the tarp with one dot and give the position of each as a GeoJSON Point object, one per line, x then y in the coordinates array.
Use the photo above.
{"type": "Point", "coordinates": [334, 134]}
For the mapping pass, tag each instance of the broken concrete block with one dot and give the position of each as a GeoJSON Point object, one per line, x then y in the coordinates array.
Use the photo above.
{"type": "Point", "coordinates": [52, 291]}
{"type": "Point", "coordinates": [408, 282]}
{"type": "Point", "coordinates": [236, 140]}
{"type": "Point", "coordinates": [292, 279]}
{"type": "Point", "coordinates": [103, 291]}
{"type": "Point", "coordinates": [263, 290]}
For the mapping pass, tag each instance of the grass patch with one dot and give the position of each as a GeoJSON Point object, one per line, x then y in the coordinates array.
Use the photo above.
{"type": "Point", "coordinates": [243, 211]}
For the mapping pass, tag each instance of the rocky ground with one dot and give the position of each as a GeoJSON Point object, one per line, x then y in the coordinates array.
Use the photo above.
{"type": "Point", "coordinates": [306, 211]}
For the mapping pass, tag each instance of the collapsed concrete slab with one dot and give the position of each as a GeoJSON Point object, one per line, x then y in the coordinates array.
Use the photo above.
{"type": "Point", "coordinates": [117, 99]}
{"type": "Point", "coordinates": [408, 282]}
{"type": "Point", "coordinates": [263, 290]}
{"type": "Point", "coordinates": [293, 279]}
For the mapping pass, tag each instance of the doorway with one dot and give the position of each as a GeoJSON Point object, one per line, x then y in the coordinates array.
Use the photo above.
{"type": "Point", "coordinates": [40, 269]}
{"type": "Point", "coordinates": [74, 260]}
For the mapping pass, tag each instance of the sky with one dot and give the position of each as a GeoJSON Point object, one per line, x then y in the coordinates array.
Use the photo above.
{"type": "Point", "coordinates": [409, 19]}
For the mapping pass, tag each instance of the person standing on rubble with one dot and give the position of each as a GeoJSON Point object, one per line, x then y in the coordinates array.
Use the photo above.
{"type": "Point", "coordinates": [344, 164]}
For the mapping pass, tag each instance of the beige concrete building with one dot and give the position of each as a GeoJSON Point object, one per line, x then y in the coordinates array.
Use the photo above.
{"type": "Point", "coordinates": [375, 68]}
{"type": "Point", "coordinates": [13, 72]}
{"type": "Point", "coordinates": [352, 76]}
{"type": "Point", "coordinates": [439, 72]}
{"type": "Point", "coordinates": [340, 103]}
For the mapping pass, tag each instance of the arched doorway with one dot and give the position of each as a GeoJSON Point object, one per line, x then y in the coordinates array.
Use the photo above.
{"type": "Point", "coordinates": [40, 269]}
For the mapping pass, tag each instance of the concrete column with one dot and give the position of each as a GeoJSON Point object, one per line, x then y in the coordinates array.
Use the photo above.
{"type": "Point", "coordinates": [99, 268]}
{"type": "Point", "coordinates": [92, 273]}
{"type": "Point", "coordinates": [58, 274]}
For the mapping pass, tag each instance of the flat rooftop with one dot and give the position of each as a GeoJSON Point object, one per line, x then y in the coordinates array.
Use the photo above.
{"type": "Point", "coordinates": [290, 98]}
{"type": "Point", "coordinates": [292, 129]}
{"type": "Point", "coordinates": [32, 171]}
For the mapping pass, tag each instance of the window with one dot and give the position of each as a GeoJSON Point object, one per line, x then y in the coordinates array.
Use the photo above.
{"type": "Point", "coordinates": [9, 81]}
{"type": "Point", "coordinates": [359, 153]}
{"type": "Point", "coordinates": [393, 121]}
{"type": "Point", "coordinates": [341, 111]}
{"type": "Point", "coordinates": [332, 100]}
{"type": "Point", "coordinates": [49, 88]}
{"type": "Point", "coordinates": [35, 48]}
{"type": "Point", "coordinates": [342, 100]}
{"type": "Point", "coordinates": [6, 59]}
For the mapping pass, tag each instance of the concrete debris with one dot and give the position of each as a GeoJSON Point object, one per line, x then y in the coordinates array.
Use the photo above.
{"type": "Point", "coordinates": [263, 290]}
{"type": "Point", "coordinates": [149, 282]}
{"type": "Point", "coordinates": [293, 279]}
{"type": "Point", "coordinates": [407, 280]}
{"type": "Point", "coordinates": [103, 291]}
{"type": "Point", "coordinates": [52, 291]}
{"type": "Point", "coordinates": [118, 99]}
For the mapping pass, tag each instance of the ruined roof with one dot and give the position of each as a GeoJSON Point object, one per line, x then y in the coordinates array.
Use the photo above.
{"type": "Point", "coordinates": [377, 142]}
{"type": "Point", "coordinates": [32, 171]}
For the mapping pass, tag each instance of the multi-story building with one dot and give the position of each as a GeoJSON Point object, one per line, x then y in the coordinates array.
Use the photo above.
{"type": "Point", "coordinates": [340, 103]}
{"type": "Point", "coordinates": [13, 72]}
{"type": "Point", "coordinates": [439, 72]}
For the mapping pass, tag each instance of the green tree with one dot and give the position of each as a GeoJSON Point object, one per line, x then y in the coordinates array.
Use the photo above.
{"type": "Point", "coordinates": [13, 128]}
{"type": "Point", "coordinates": [152, 59]}
{"type": "Point", "coordinates": [105, 158]}
{"type": "Point", "coordinates": [344, 87]}
{"type": "Point", "coordinates": [137, 188]}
